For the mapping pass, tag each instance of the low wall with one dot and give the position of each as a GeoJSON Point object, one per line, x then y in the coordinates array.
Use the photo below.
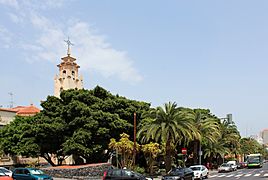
{"type": "Point", "coordinates": [78, 172]}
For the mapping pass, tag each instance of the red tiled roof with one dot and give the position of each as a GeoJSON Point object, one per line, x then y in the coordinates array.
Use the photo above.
{"type": "Point", "coordinates": [7, 109]}
{"type": "Point", "coordinates": [28, 110]}
{"type": "Point", "coordinates": [24, 110]}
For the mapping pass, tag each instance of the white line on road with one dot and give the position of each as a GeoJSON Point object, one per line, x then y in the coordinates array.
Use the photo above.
{"type": "Point", "coordinates": [257, 174]}
{"type": "Point", "coordinates": [212, 175]}
{"type": "Point", "coordinates": [247, 175]}
{"type": "Point", "coordinates": [230, 175]}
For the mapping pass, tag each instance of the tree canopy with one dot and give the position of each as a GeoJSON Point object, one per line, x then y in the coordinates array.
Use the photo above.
{"type": "Point", "coordinates": [80, 122]}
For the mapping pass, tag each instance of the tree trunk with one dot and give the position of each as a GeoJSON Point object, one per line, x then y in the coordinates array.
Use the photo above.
{"type": "Point", "coordinates": [195, 153]}
{"type": "Point", "coordinates": [48, 159]}
{"type": "Point", "coordinates": [168, 156]}
{"type": "Point", "coordinates": [151, 165]}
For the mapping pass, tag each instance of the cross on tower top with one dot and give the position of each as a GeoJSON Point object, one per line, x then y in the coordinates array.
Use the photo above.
{"type": "Point", "coordinates": [68, 42]}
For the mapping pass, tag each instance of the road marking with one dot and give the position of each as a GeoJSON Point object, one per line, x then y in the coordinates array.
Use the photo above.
{"type": "Point", "coordinates": [230, 175]}
{"type": "Point", "coordinates": [212, 175]}
{"type": "Point", "coordinates": [265, 174]}
{"type": "Point", "coordinates": [257, 174]}
{"type": "Point", "coordinates": [238, 175]}
{"type": "Point", "coordinates": [247, 175]}
{"type": "Point", "coordinates": [222, 175]}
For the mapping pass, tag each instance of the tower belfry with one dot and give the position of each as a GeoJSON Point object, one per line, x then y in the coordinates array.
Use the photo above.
{"type": "Point", "coordinates": [68, 77]}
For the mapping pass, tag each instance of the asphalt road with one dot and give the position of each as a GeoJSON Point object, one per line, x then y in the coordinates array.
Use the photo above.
{"type": "Point", "coordinates": [247, 174]}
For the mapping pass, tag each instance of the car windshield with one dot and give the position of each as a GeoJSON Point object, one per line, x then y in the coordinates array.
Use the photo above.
{"type": "Point", "coordinates": [195, 168]}
{"type": "Point", "coordinates": [175, 172]}
{"type": "Point", "coordinates": [225, 165]}
{"type": "Point", "coordinates": [36, 171]}
{"type": "Point", "coordinates": [4, 170]}
{"type": "Point", "coordinates": [2, 173]}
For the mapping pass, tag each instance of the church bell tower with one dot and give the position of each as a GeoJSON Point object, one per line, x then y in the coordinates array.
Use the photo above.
{"type": "Point", "coordinates": [68, 77]}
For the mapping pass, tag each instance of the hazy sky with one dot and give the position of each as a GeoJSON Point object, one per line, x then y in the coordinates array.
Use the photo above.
{"type": "Point", "coordinates": [200, 54]}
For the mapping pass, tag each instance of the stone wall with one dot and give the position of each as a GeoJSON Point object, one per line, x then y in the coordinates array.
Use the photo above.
{"type": "Point", "coordinates": [91, 171]}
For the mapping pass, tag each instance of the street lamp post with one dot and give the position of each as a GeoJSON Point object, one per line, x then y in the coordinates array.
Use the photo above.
{"type": "Point", "coordinates": [134, 147]}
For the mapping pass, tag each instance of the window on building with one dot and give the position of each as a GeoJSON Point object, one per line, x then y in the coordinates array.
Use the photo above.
{"type": "Point", "coordinates": [64, 73]}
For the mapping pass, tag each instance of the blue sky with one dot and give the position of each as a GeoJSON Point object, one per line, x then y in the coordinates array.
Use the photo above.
{"type": "Point", "coordinates": [200, 54]}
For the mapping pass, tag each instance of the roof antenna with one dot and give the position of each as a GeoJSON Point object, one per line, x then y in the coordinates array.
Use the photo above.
{"type": "Point", "coordinates": [11, 100]}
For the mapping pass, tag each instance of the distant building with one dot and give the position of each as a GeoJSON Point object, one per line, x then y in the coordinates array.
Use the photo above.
{"type": "Point", "coordinates": [264, 135]}
{"type": "Point", "coordinates": [68, 77]}
{"type": "Point", "coordinates": [8, 114]}
{"type": "Point", "coordinates": [257, 138]}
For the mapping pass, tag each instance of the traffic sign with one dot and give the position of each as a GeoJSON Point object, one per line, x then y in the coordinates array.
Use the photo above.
{"type": "Point", "coordinates": [184, 150]}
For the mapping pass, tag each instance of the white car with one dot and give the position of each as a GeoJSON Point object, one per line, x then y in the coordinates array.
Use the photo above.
{"type": "Point", "coordinates": [225, 168]}
{"type": "Point", "coordinates": [233, 164]}
{"type": "Point", "coordinates": [6, 171]}
{"type": "Point", "coordinates": [200, 171]}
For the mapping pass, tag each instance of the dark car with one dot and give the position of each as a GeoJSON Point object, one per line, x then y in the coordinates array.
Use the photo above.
{"type": "Point", "coordinates": [179, 174]}
{"type": "Point", "coordinates": [29, 174]}
{"type": "Point", "coordinates": [122, 174]}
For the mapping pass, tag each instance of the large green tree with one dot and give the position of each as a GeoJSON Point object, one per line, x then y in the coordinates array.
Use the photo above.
{"type": "Point", "coordinates": [230, 136]}
{"type": "Point", "coordinates": [79, 123]}
{"type": "Point", "coordinates": [207, 127]}
{"type": "Point", "coordinates": [227, 143]}
{"type": "Point", "coordinates": [94, 117]}
{"type": "Point", "coordinates": [168, 127]}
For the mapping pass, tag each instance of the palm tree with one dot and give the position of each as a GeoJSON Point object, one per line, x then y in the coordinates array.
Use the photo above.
{"type": "Point", "coordinates": [226, 143]}
{"type": "Point", "coordinates": [216, 149]}
{"type": "Point", "coordinates": [167, 126]}
{"type": "Point", "coordinates": [231, 136]}
{"type": "Point", "coordinates": [207, 129]}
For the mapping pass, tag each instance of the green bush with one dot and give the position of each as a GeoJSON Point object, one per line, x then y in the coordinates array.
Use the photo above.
{"type": "Point", "coordinates": [138, 169]}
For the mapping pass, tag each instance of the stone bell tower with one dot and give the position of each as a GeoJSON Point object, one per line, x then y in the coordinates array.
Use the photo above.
{"type": "Point", "coordinates": [68, 77]}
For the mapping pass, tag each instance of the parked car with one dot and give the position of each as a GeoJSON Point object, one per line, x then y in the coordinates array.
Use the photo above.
{"type": "Point", "coordinates": [242, 165]}
{"type": "Point", "coordinates": [4, 176]}
{"type": "Point", "coordinates": [180, 174]}
{"type": "Point", "coordinates": [29, 174]}
{"type": "Point", "coordinates": [6, 171]}
{"type": "Point", "coordinates": [122, 174]}
{"type": "Point", "coordinates": [200, 171]}
{"type": "Point", "coordinates": [225, 168]}
{"type": "Point", "coordinates": [233, 164]}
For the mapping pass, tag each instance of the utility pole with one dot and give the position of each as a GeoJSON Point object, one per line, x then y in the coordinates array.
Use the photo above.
{"type": "Point", "coordinates": [134, 148]}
